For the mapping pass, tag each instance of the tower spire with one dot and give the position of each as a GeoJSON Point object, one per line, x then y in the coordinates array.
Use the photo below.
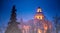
{"type": "Point", "coordinates": [13, 14]}
{"type": "Point", "coordinates": [39, 15]}
{"type": "Point", "coordinates": [39, 9]}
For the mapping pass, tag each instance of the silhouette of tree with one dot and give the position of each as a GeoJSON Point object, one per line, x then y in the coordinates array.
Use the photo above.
{"type": "Point", "coordinates": [13, 24]}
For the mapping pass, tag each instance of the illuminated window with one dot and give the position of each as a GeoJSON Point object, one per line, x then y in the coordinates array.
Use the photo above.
{"type": "Point", "coordinates": [39, 17]}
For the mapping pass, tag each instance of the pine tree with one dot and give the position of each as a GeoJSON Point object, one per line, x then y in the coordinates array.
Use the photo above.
{"type": "Point", "coordinates": [13, 24]}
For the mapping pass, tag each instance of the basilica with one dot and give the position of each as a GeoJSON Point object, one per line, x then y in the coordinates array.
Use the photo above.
{"type": "Point", "coordinates": [39, 24]}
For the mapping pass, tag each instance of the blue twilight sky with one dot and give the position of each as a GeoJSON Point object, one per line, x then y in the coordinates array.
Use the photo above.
{"type": "Point", "coordinates": [27, 9]}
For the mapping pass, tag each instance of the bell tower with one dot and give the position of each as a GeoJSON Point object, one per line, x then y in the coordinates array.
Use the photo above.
{"type": "Point", "coordinates": [39, 15]}
{"type": "Point", "coordinates": [39, 9]}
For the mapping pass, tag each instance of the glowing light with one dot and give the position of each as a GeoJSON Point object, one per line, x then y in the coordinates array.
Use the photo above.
{"type": "Point", "coordinates": [45, 27]}
{"type": "Point", "coordinates": [40, 17]}
{"type": "Point", "coordinates": [39, 10]}
{"type": "Point", "coordinates": [39, 31]}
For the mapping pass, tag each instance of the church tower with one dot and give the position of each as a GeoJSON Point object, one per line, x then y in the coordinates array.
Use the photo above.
{"type": "Point", "coordinates": [39, 15]}
{"type": "Point", "coordinates": [13, 24]}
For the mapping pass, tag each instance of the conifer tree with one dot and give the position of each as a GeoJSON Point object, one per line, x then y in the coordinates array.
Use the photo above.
{"type": "Point", "coordinates": [13, 24]}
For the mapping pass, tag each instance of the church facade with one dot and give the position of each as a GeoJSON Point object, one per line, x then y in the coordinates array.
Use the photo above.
{"type": "Point", "coordinates": [37, 25]}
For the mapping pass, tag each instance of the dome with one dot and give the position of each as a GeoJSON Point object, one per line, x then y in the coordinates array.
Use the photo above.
{"type": "Point", "coordinates": [39, 15]}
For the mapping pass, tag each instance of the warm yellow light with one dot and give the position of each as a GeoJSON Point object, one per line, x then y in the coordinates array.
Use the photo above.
{"type": "Point", "coordinates": [39, 10]}
{"type": "Point", "coordinates": [39, 31]}
{"type": "Point", "coordinates": [45, 27]}
{"type": "Point", "coordinates": [39, 17]}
